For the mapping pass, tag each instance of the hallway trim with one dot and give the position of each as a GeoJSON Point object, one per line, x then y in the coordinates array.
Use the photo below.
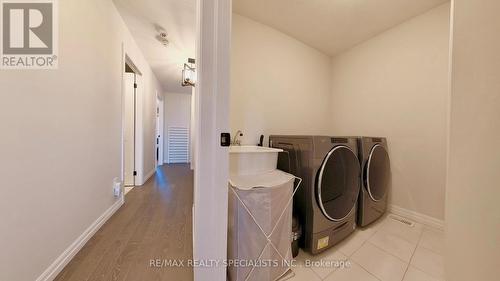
{"type": "Point", "coordinates": [417, 217]}
{"type": "Point", "coordinates": [58, 265]}
{"type": "Point", "coordinates": [148, 176]}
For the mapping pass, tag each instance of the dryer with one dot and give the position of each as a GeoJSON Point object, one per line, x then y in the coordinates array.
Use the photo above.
{"type": "Point", "coordinates": [325, 204]}
{"type": "Point", "coordinates": [376, 179]}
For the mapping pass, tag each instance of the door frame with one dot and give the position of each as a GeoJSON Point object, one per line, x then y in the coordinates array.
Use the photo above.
{"type": "Point", "coordinates": [138, 140]}
{"type": "Point", "coordinates": [126, 83]}
{"type": "Point", "coordinates": [211, 171]}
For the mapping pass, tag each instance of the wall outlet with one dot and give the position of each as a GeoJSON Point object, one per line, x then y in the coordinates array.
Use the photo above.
{"type": "Point", "coordinates": [117, 187]}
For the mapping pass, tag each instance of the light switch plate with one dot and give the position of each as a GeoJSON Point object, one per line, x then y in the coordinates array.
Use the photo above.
{"type": "Point", "coordinates": [117, 187]}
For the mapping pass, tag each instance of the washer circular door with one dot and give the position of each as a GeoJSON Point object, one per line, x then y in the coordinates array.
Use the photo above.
{"type": "Point", "coordinates": [337, 183]}
{"type": "Point", "coordinates": [377, 172]}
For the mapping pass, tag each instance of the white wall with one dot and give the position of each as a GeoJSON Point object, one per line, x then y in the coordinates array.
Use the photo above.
{"type": "Point", "coordinates": [278, 84]}
{"type": "Point", "coordinates": [177, 114]}
{"type": "Point", "coordinates": [473, 191]}
{"type": "Point", "coordinates": [61, 139]}
{"type": "Point", "coordinates": [149, 124]}
{"type": "Point", "coordinates": [160, 128]}
{"type": "Point", "coordinates": [395, 85]}
{"type": "Point", "coordinates": [192, 129]}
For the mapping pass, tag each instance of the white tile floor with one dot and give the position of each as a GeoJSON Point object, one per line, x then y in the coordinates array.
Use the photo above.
{"type": "Point", "coordinates": [387, 250]}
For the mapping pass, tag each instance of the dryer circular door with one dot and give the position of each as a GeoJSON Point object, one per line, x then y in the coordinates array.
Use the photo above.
{"type": "Point", "coordinates": [377, 172]}
{"type": "Point", "coordinates": [337, 183]}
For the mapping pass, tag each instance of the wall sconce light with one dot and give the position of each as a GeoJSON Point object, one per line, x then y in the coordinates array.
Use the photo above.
{"type": "Point", "coordinates": [189, 74]}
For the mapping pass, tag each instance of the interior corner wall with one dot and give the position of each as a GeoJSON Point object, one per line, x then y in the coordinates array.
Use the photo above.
{"type": "Point", "coordinates": [279, 85]}
{"type": "Point", "coordinates": [177, 110]}
{"type": "Point", "coordinates": [472, 192]}
{"type": "Point", "coordinates": [395, 85]}
{"type": "Point", "coordinates": [61, 140]}
{"type": "Point", "coordinates": [148, 108]}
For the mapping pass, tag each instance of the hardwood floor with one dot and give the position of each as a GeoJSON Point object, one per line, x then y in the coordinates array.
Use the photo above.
{"type": "Point", "coordinates": [154, 223]}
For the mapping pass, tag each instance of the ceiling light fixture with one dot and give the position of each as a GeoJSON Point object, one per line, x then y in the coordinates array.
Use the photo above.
{"type": "Point", "coordinates": [189, 74]}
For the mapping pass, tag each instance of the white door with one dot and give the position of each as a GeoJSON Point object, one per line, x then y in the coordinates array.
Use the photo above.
{"type": "Point", "coordinates": [129, 129]}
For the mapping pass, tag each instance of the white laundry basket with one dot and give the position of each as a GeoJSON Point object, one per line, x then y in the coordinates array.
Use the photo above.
{"type": "Point", "coordinates": [260, 226]}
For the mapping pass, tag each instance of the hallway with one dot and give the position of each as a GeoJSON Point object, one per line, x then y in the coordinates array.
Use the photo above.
{"type": "Point", "coordinates": [154, 223]}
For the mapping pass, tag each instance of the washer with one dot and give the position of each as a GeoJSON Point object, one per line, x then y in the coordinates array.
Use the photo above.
{"type": "Point", "coordinates": [376, 179]}
{"type": "Point", "coordinates": [325, 204]}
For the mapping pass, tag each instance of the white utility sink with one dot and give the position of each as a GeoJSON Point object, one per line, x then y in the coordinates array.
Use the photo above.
{"type": "Point", "coordinates": [252, 160]}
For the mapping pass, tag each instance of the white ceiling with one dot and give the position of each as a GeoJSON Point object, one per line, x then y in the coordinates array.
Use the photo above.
{"type": "Point", "coordinates": [178, 18]}
{"type": "Point", "coordinates": [332, 26]}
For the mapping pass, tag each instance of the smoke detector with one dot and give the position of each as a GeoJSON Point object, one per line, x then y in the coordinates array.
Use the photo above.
{"type": "Point", "coordinates": [162, 38]}
{"type": "Point", "coordinates": [161, 35]}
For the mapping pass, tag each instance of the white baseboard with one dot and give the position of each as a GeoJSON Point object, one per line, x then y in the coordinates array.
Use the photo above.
{"type": "Point", "coordinates": [148, 175]}
{"type": "Point", "coordinates": [58, 265]}
{"type": "Point", "coordinates": [127, 189]}
{"type": "Point", "coordinates": [417, 217]}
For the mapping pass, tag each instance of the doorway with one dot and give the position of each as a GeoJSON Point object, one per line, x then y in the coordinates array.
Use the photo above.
{"type": "Point", "coordinates": [207, 40]}
{"type": "Point", "coordinates": [131, 83]}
